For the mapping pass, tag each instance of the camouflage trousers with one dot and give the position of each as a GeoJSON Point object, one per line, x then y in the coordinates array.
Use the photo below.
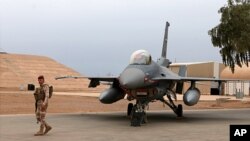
{"type": "Point", "coordinates": [41, 112]}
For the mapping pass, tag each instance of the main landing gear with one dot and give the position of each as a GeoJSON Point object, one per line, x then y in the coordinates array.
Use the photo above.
{"type": "Point", "coordinates": [178, 110]}
{"type": "Point", "coordinates": [137, 112]}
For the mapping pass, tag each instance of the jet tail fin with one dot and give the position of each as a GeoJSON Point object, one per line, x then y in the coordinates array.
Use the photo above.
{"type": "Point", "coordinates": [165, 42]}
{"type": "Point", "coordinates": [163, 61]}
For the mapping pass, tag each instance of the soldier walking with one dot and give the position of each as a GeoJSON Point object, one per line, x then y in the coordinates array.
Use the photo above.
{"type": "Point", "coordinates": [42, 98]}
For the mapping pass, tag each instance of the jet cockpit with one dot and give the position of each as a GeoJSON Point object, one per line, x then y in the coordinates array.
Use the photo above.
{"type": "Point", "coordinates": [140, 57]}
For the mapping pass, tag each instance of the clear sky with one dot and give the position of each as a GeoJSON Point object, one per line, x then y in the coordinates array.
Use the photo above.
{"type": "Point", "coordinates": [97, 37]}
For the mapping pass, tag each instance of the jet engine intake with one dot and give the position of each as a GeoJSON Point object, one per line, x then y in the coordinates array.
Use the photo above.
{"type": "Point", "coordinates": [191, 96]}
{"type": "Point", "coordinates": [111, 95]}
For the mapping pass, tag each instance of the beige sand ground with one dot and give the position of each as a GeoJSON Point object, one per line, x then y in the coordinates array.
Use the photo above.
{"type": "Point", "coordinates": [11, 103]}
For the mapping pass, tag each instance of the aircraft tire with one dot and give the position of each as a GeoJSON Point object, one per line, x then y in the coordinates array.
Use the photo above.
{"type": "Point", "coordinates": [136, 119]}
{"type": "Point", "coordinates": [129, 110]}
{"type": "Point", "coordinates": [179, 110]}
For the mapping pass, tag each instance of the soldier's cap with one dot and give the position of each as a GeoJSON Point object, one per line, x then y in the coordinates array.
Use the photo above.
{"type": "Point", "coordinates": [40, 77]}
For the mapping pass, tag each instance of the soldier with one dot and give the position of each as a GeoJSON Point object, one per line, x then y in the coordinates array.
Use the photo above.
{"type": "Point", "coordinates": [42, 98]}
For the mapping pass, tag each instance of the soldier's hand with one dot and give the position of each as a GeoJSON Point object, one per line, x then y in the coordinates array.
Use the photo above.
{"type": "Point", "coordinates": [43, 105]}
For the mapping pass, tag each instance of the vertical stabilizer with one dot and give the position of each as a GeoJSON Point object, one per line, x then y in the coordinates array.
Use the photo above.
{"type": "Point", "coordinates": [163, 61]}
{"type": "Point", "coordinates": [165, 42]}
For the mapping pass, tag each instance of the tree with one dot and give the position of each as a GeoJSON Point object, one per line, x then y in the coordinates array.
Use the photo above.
{"type": "Point", "coordinates": [232, 35]}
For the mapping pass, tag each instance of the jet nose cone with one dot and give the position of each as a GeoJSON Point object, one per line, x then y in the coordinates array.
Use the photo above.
{"type": "Point", "coordinates": [132, 78]}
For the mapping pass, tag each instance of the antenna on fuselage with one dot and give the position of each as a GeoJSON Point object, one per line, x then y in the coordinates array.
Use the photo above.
{"type": "Point", "coordinates": [163, 61]}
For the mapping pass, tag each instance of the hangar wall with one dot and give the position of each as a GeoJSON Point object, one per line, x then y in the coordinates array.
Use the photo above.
{"type": "Point", "coordinates": [216, 70]}
{"type": "Point", "coordinates": [200, 69]}
{"type": "Point", "coordinates": [242, 73]}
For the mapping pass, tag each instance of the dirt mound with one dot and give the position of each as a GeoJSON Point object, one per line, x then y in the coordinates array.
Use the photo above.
{"type": "Point", "coordinates": [17, 71]}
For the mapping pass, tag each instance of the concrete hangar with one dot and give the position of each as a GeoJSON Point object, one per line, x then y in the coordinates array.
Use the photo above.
{"type": "Point", "coordinates": [220, 71]}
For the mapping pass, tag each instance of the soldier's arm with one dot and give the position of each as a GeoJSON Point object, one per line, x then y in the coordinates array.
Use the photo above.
{"type": "Point", "coordinates": [46, 91]}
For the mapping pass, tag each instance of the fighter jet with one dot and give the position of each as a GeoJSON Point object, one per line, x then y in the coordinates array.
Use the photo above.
{"type": "Point", "coordinates": [145, 81]}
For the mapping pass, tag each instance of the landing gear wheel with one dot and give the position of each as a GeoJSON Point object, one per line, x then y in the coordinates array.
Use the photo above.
{"type": "Point", "coordinates": [138, 114]}
{"type": "Point", "coordinates": [129, 110]}
{"type": "Point", "coordinates": [136, 119]}
{"type": "Point", "coordinates": [179, 111]}
{"type": "Point", "coordinates": [144, 118]}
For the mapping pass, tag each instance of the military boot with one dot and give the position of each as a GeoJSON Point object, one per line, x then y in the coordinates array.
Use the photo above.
{"type": "Point", "coordinates": [47, 128]}
{"type": "Point", "coordinates": [40, 132]}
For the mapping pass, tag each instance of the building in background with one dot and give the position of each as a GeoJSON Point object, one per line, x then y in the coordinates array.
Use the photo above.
{"type": "Point", "coordinates": [232, 87]}
{"type": "Point", "coordinates": [219, 71]}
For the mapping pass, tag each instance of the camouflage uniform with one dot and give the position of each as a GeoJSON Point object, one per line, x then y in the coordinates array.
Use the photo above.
{"type": "Point", "coordinates": [42, 97]}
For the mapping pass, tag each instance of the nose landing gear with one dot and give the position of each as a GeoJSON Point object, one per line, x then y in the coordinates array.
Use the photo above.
{"type": "Point", "coordinates": [137, 113]}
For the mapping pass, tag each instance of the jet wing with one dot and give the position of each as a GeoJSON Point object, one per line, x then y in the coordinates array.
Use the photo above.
{"type": "Point", "coordinates": [199, 79]}
{"type": "Point", "coordinates": [69, 76]}
{"type": "Point", "coordinates": [94, 81]}
{"type": "Point", "coordinates": [208, 79]}
{"type": "Point", "coordinates": [168, 78]}
{"type": "Point", "coordinates": [178, 78]}
{"type": "Point", "coordinates": [182, 79]}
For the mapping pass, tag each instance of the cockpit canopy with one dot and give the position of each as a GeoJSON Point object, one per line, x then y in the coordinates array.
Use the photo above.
{"type": "Point", "coordinates": [140, 57]}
